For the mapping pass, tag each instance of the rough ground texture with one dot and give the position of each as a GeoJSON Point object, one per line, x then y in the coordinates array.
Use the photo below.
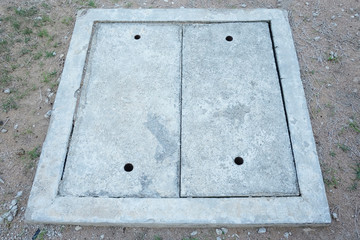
{"type": "Point", "coordinates": [35, 35]}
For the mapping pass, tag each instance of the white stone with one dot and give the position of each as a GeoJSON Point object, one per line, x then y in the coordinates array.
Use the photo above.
{"type": "Point", "coordinates": [262, 230]}
{"type": "Point", "coordinates": [7, 90]}
{"type": "Point", "coordinates": [78, 228]}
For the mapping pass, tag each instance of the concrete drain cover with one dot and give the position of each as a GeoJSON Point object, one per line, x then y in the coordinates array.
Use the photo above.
{"type": "Point", "coordinates": [183, 117]}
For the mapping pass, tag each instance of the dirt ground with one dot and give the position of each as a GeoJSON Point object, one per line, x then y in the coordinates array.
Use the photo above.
{"type": "Point", "coordinates": [35, 36]}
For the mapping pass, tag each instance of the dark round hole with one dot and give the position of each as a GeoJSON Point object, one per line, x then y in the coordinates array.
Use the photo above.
{"type": "Point", "coordinates": [137, 37]}
{"type": "Point", "coordinates": [229, 38]}
{"type": "Point", "coordinates": [239, 160]}
{"type": "Point", "coordinates": [128, 167]}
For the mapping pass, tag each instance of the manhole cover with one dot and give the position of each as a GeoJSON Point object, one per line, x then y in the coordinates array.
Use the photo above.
{"type": "Point", "coordinates": [161, 115]}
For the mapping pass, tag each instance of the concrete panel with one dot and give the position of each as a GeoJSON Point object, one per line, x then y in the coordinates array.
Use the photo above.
{"type": "Point", "coordinates": [125, 141]}
{"type": "Point", "coordinates": [235, 140]}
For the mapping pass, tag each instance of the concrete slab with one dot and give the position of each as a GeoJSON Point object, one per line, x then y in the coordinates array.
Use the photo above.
{"type": "Point", "coordinates": [235, 140]}
{"type": "Point", "coordinates": [126, 140]}
{"type": "Point", "coordinates": [53, 200]}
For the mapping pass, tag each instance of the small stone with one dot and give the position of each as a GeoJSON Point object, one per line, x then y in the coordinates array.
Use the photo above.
{"type": "Point", "coordinates": [166, 0]}
{"type": "Point", "coordinates": [218, 231]}
{"type": "Point", "coordinates": [50, 94]}
{"type": "Point", "coordinates": [327, 67]}
{"type": "Point", "coordinates": [193, 233]}
{"type": "Point", "coordinates": [218, 238]}
{"type": "Point", "coordinates": [38, 18]}
{"type": "Point", "coordinates": [356, 15]}
{"type": "Point", "coordinates": [287, 234]}
{"type": "Point", "coordinates": [13, 210]}
{"type": "Point", "coordinates": [61, 56]}
{"type": "Point", "coordinates": [307, 230]}
{"type": "Point", "coordinates": [102, 236]}
{"type": "Point", "coordinates": [7, 90]}
{"type": "Point", "coordinates": [16, 126]}
{"type": "Point", "coordinates": [10, 218]}
{"type": "Point", "coordinates": [47, 114]}
{"type": "Point", "coordinates": [224, 230]}
{"type": "Point", "coordinates": [4, 130]}
{"type": "Point", "coordinates": [77, 228]}
{"type": "Point", "coordinates": [262, 230]}
{"type": "Point", "coordinates": [317, 38]}
{"type": "Point", "coordinates": [13, 203]}
{"type": "Point", "coordinates": [333, 17]}
{"type": "Point", "coordinates": [54, 53]}
{"type": "Point", "coordinates": [243, 5]}
{"type": "Point", "coordinates": [335, 216]}
{"type": "Point", "coordinates": [315, 14]}
{"type": "Point", "coordinates": [306, 3]}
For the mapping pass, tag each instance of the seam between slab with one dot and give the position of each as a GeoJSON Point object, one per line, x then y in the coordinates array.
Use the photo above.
{"type": "Point", "coordinates": [180, 99]}
{"type": "Point", "coordinates": [284, 105]}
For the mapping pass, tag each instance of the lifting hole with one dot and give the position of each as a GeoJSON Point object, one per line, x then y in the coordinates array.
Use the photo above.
{"type": "Point", "coordinates": [229, 38]}
{"type": "Point", "coordinates": [238, 160]}
{"type": "Point", "coordinates": [128, 167]}
{"type": "Point", "coordinates": [137, 37]}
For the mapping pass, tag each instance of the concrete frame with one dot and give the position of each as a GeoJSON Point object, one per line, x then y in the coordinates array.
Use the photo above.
{"type": "Point", "coordinates": [310, 208]}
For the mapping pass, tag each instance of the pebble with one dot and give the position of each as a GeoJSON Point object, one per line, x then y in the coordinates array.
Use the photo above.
{"type": "Point", "coordinates": [306, 3]}
{"type": "Point", "coordinates": [102, 236]}
{"type": "Point", "coordinates": [315, 14]}
{"type": "Point", "coordinates": [7, 90]}
{"type": "Point", "coordinates": [61, 56]}
{"type": "Point", "coordinates": [335, 216]}
{"type": "Point", "coordinates": [13, 203]}
{"type": "Point", "coordinates": [287, 234]}
{"type": "Point", "coordinates": [317, 38]}
{"type": "Point", "coordinates": [193, 233]}
{"type": "Point", "coordinates": [10, 218]}
{"type": "Point", "coordinates": [243, 5]}
{"type": "Point", "coordinates": [262, 230]}
{"type": "Point", "coordinates": [47, 114]}
{"type": "Point", "coordinates": [77, 228]}
{"type": "Point", "coordinates": [224, 230]}
{"type": "Point", "coordinates": [16, 126]}
{"type": "Point", "coordinates": [333, 17]}
{"type": "Point", "coordinates": [218, 238]}
{"type": "Point", "coordinates": [4, 130]}
{"type": "Point", "coordinates": [218, 231]}
{"type": "Point", "coordinates": [19, 194]}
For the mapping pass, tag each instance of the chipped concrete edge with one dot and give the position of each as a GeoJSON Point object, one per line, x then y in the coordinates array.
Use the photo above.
{"type": "Point", "coordinates": [311, 208]}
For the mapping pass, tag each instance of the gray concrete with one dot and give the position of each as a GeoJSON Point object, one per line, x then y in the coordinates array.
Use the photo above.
{"type": "Point", "coordinates": [232, 107]}
{"type": "Point", "coordinates": [128, 114]}
{"type": "Point", "coordinates": [49, 205]}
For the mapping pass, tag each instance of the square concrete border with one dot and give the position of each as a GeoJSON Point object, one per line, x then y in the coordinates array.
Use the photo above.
{"type": "Point", "coordinates": [310, 208]}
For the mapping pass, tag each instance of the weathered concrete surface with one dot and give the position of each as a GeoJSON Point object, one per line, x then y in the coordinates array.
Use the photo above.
{"type": "Point", "coordinates": [128, 114]}
{"type": "Point", "coordinates": [232, 107]}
